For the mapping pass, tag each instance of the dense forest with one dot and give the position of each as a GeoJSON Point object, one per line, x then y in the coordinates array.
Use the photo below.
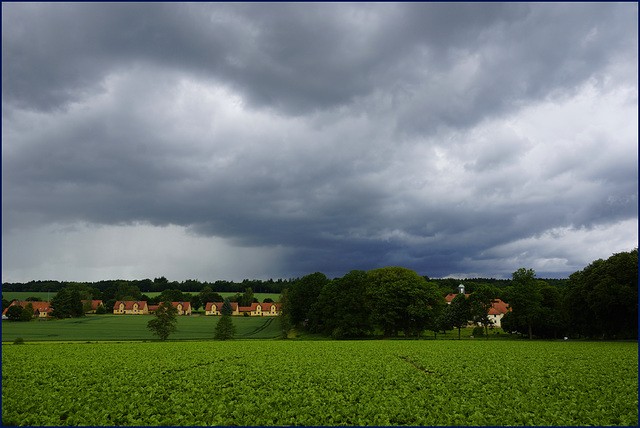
{"type": "Point", "coordinates": [600, 301]}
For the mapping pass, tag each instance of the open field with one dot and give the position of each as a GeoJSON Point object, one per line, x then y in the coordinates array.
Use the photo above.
{"type": "Point", "coordinates": [22, 295]}
{"type": "Point", "coordinates": [196, 327]}
{"type": "Point", "coordinates": [133, 327]}
{"type": "Point", "coordinates": [268, 383]}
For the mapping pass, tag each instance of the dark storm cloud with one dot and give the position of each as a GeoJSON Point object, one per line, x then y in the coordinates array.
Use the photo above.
{"type": "Point", "coordinates": [435, 136]}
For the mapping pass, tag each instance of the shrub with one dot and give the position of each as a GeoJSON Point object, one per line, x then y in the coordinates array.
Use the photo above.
{"type": "Point", "coordinates": [18, 341]}
{"type": "Point", "coordinates": [478, 331]}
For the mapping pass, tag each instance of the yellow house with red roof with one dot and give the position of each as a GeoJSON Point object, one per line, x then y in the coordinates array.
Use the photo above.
{"type": "Point", "coordinates": [255, 310]}
{"type": "Point", "coordinates": [184, 308]}
{"type": "Point", "coordinates": [94, 305]}
{"type": "Point", "coordinates": [214, 308]}
{"type": "Point", "coordinates": [130, 307]}
{"type": "Point", "coordinates": [40, 309]}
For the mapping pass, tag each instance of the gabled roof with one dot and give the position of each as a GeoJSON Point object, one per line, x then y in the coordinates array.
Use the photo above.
{"type": "Point", "coordinates": [185, 305]}
{"type": "Point", "coordinates": [498, 307]}
{"type": "Point", "coordinates": [128, 304]}
{"type": "Point", "coordinates": [37, 306]}
{"type": "Point", "coordinates": [449, 297]}
{"type": "Point", "coordinates": [267, 306]}
{"type": "Point", "coordinates": [94, 303]}
{"type": "Point", "coordinates": [207, 307]}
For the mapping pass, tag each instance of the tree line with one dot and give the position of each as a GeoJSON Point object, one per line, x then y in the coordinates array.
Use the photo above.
{"type": "Point", "coordinates": [157, 285]}
{"type": "Point", "coordinates": [600, 301]}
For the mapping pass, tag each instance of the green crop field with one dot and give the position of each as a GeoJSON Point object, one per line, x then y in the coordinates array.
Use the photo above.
{"type": "Point", "coordinates": [133, 327]}
{"type": "Point", "coordinates": [23, 295]}
{"type": "Point", "coordinates": [276, 382]}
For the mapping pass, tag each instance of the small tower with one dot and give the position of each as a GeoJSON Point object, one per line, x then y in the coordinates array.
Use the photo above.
{"type": "Point", "coordinates": [461, 289]}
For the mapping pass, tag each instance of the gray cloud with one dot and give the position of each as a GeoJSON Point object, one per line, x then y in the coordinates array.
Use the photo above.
{"type": "Point", "coordinates": [346, 136]}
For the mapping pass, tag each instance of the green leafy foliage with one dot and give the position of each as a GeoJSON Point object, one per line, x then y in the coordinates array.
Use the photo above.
{"type": "Point", "coordinates": [226, 307]}
{"type": "Point", "coordinates": [164, 322]}
{"type": "Point", "coordinates": [225, 329]}
{"type": "Point", "coordinates": [286, 383]}
{"type": "Point", "coordinates": [458, 312]}
{"type": "Point", "coordinates": [67, 303]}
{"type": "Point", "coordinates": [14, 313]}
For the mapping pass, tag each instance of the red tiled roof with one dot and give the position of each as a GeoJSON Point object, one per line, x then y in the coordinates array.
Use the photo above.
{"type": "Point", "coordinates": [128, 304]}
{"type": "Point", "coordinates": [185, 305]}
{"type": "Point", "coordinates": [94, 304]}
{"type": "Point", "coordinates": [499, 307]}
{"type": "Point", "coordinates": [207, 307]}
{"type": "Point", "coordinates": [153, 307]}
{"type": "Point", "coordinates": [450, 296]}
{"type": "Point", "coordinates": [266, 307]}
{"type": "Point", "coordinates": [37, 306]}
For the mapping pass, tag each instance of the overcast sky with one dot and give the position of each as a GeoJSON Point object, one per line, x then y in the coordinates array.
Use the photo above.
{"type": "Point", "coordinates": [230, 141]}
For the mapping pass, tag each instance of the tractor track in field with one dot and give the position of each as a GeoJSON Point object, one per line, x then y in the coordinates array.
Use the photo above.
{"type": "Point", "coordinates": [266, 324]}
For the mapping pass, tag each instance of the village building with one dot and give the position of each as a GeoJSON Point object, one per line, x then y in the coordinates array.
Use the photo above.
{"type": "Point", "coordinates": [497, 311]}
{"type": "Point", "coordinates": [184, 308]}
{"type": "Point", "coordinates": [40, 309]}
{"type": "Point", "coordinates": [94, 305]}
{"type": "Point", "coordinates": [255, 310]}
{"type": "Point", "coordinates": [128, 307]}
{"type": "Point", "coordinates": [214, 308]}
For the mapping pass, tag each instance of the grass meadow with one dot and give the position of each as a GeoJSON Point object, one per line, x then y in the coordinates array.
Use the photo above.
{"type": "Point", "coordinates": [133, 327]}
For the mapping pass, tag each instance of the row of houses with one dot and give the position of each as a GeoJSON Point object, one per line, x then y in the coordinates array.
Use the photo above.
{"type": "Point", "coordinates": [255, 310]}
{"type": "Point", "coordinates": [141, 307]}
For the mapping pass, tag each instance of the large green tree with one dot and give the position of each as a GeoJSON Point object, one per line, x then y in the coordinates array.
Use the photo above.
{"type": "Point", "coordinates": [14, 313]}
{"type": "Point", "coordinates": [196, 302]}
{"type": "Point", "coordinates": [302, 295]}
{"type": "Point", "coordinates": [602, 299]}
{"type": "Point", "coordinates": [164, 322]}
{"type": "Point", "coordinates": [524, 299]}
{"type": "Point", "coordinates": [226, 308]}
{"type": "Point", "coordinates": [27, 313]}
{"type": "Point", "coordinates": [225, 329]}
{"type": "Point", "coordinates": [480, 302]}
{"type": "Point", "coordinates": [67, 304]}
{"type": "Point", "coordinates": [401, 300]}
{"type": "Point", "coordinates": [458, 312]}
{"type": "Point", "coordinates": [207, 295]}
{"type": "Point", "coordinates": [341, 310]}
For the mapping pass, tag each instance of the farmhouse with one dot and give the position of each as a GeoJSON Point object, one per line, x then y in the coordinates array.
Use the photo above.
{"type": "Point", "coordinates": [40, 309]}
{"type": "Point", "coordinates": [255, 310]}
{"type": "Point", "coordinates": [184, 308]}
{"type": "Point", "coordinates": [497, 311]}
{"type": "Point", "coordinates": [213, 308]}
{"type": "Point", "coordinates": [94, 305]}
{"type": "Point", "coordinates": [130, 307]}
